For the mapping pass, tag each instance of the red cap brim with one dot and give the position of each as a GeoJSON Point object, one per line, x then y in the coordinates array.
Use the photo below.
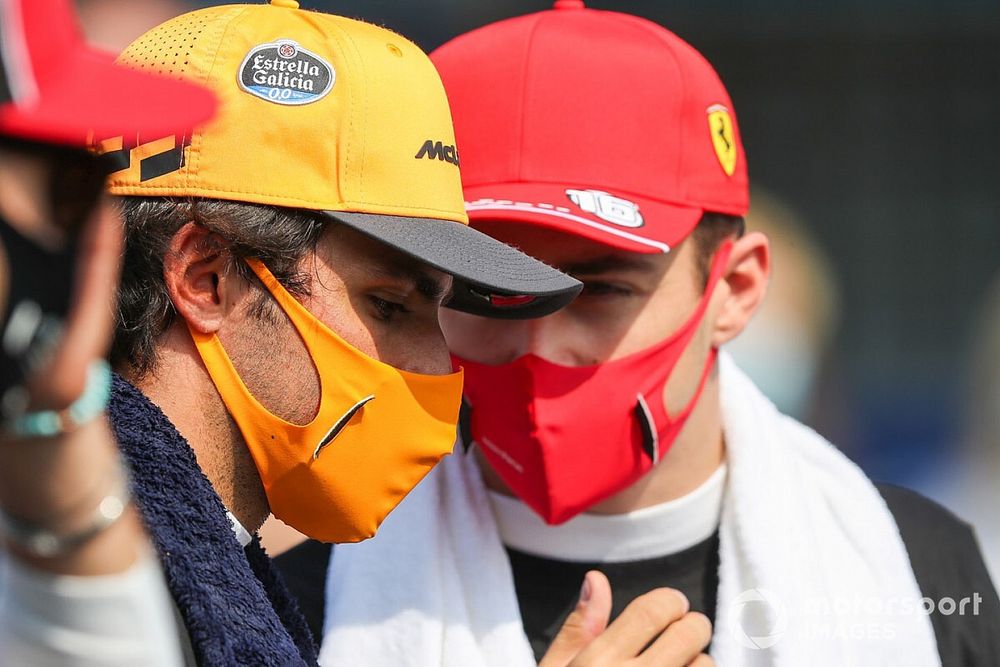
{"type": "Point", "coordinates": [658, 227]}
{"type": "Point", "coordinates": [92, 94]}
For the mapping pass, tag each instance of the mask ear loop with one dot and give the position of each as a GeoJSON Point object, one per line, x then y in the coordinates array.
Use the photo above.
{"type": "Point", "coordinates": [650, 436]}
{"type": "Point", "coordinates": [295, 312]}
{"type": "Point", "coordinates": [647, 425]}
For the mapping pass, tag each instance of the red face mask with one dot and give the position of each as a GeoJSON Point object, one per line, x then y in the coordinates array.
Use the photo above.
{"type": "Point", "coordinates": [566, 437]}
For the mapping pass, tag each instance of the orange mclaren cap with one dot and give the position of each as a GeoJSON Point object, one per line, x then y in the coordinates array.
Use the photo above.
{"type": "Point", "coordinates": [335, 115]}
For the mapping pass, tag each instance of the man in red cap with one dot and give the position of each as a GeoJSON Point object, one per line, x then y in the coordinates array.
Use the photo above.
{"type": "Point", "coordinates": [613, 440]}
{"type": "Point", "coordinates": [78, 579]}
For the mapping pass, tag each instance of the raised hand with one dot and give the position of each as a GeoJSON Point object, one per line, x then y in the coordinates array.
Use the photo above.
{"type": "Point", "coordinates": [656, 629]}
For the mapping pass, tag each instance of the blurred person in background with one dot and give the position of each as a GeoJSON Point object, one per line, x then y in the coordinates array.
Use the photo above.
{"type": "Point", "coordinates": [79, 583]}
{"type": "Point", "coordinates": [277, 343]}
{"type": "Point", "coordinates": [114, 24]}
{"type": "Point", "coordinates": [605, 437]}
{"type": "Point", "coordinates": [969, 486]}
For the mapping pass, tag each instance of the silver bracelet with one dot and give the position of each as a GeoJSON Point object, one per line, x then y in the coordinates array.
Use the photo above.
{"type": "Point", "coordinates": [43, 542]}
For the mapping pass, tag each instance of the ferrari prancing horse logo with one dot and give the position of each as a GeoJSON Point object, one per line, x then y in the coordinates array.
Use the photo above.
{"type": "Point", "coordinates": [720, 125]}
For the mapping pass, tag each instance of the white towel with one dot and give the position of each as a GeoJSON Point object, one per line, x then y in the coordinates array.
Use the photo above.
{"type": "Point", "coordinates": [812, 567]}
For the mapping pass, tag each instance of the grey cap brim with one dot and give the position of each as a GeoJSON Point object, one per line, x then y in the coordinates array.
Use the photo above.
{"type": "Point", "coordinates": [491, 278]}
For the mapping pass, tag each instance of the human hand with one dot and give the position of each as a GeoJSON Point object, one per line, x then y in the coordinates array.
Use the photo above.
{"type": "Point", "coordinates": [656, 628]}
{"type": "Point", "coordinates": [56, 482]}
{"type": "Point", "coordinates": [58, 272]}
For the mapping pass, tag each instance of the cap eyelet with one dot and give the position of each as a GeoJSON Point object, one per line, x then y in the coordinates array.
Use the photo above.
{"type": "Point", "coordinates": [394, 50]}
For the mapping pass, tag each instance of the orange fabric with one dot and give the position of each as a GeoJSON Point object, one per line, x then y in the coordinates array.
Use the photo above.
{"type": "Point", "coordinates": [343, 491]}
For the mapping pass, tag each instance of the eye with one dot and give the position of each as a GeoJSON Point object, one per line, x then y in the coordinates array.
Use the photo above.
{"type": "Point", "coordinates": [601, 289]}
{"type": "Point", "coordinates": [386, 310]}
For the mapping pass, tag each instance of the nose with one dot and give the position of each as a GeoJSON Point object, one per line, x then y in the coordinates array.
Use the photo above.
{"type": "Point", "coordinates": [498, 341]}
{"type": "Point", "coordinates": [428, 353]}
{"type": "Point", "coordinates": [550, 338]}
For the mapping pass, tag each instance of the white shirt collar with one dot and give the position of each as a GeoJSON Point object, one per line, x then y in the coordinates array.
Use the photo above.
{"type": "Point", "coordinates": [239, 531]}
{"type": "Point", "coordinates": [651, 532]}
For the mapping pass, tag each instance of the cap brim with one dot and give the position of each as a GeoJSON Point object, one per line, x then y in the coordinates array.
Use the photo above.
{"type": "Point", "coordinates": [93, 94]}
{"type": "Point", "coordinates": [662, 226]}
{"type": "Point", "coordinates": [491, 278]}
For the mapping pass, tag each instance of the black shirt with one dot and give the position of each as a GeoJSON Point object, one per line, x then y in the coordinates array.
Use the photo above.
{"type": "Point", "coordinates": [942, 549]}
{"type": "Point", "coordinates": [548, 589]}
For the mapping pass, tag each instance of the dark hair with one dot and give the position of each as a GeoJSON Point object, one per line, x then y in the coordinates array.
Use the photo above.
{"type": "Point", "coordinates": [279, 237]}
{"type": "Point", "coordinates": [708, 235]}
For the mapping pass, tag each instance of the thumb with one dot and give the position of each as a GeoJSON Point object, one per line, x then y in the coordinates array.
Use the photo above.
{"type": "Point", "coordinates": [584, 624]}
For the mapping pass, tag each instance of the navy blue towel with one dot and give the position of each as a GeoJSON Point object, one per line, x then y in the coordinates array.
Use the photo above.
{"type": "Point", "coordinates": [233, 601]}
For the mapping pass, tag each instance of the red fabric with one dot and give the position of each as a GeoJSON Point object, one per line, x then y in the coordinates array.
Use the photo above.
{"type": "Point", "coordinates": [588, 99]}
{"type": "Point", "coordinates": [79, 90]}
{"type": "Point", "coordinates": [565, 437]}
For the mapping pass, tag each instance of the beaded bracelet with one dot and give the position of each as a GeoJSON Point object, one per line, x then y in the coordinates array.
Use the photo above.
{"type": "Point", "coordinates": [49, 423]}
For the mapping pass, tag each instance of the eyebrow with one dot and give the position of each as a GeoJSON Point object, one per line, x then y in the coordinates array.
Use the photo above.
{"type": "Point", "coordinates": [433, 290]}
{"type": "Point", "coordinates": [607, 264]}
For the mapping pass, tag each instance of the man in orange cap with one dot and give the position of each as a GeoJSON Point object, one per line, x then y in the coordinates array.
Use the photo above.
{"type": "Point", "coordinates": [278, 344]}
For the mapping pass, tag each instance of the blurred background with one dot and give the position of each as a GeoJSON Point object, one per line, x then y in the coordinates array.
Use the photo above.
{"type": "Point", "coordinates": [871, 129]}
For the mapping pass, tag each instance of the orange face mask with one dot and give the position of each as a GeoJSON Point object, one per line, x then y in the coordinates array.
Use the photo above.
{"type": "Point", "coordinates": [377, 432]}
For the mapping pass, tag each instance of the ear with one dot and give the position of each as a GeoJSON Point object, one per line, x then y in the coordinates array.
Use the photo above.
{"type": "Point", "coordinates": [747, 276]}
{"type": "Point", "coordinates": [195, 272]}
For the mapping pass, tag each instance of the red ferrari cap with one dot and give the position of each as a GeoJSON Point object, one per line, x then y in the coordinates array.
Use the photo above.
{"type": "Point", "coordinates": [56, 89]}
{"type": "Point", "coordinates": [592, 122]}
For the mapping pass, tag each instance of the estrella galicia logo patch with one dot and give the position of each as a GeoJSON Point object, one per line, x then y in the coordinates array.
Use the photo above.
{"type": "Point", "coordinates": [284, 73]}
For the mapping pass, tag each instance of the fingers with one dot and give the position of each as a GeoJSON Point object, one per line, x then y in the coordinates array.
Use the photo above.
{"type": "Point", "coordinates": [584, 624]}
{"type": "Point", "coordinates": [643, 620]}
{"type": "Point", "coordinates": [681, 643]}
{"type": "Point", "coordinates": [702, 660]}
{"type": "Point", "coordinates": [91, 318]}
{"type": "Point", "coordinates": [597, 610]}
